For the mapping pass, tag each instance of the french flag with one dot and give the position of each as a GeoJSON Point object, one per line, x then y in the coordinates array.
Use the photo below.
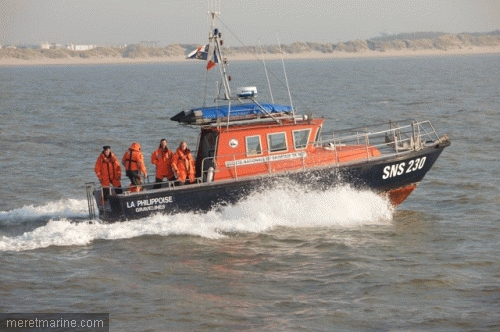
{"type": "Point", "coordinates": [200, 53]}
{"type": "Point", "coordinates": [205, 53]}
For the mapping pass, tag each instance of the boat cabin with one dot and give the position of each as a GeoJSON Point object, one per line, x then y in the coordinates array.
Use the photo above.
{"type": "Point", "coordinates": [250, 143]}
{"type": "Point", "coordinates": [255, 149]}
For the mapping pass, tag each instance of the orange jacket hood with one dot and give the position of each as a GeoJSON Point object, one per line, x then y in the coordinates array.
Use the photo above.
{"type": "Point", "coordinates": [135, 146]}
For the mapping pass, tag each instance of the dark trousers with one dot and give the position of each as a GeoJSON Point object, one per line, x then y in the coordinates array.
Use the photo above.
{"type": "Point", "coordinates": [134, 177]}
{"type": "Point", "coordinates": [158, 186]}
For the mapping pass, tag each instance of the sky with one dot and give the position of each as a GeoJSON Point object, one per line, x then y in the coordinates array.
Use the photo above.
{"type": "Point", "coordinates": [244, 22]}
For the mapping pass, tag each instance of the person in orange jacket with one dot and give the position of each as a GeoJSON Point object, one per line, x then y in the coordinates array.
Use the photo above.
{"type": "Point", "coordinates": [108, 171]}
{"type": "Point", "coordinates": [162, 159]}
{"type": "Point", "coordinates": [133, 160]}
{"type": "Point", "coordinates": [183, 164]}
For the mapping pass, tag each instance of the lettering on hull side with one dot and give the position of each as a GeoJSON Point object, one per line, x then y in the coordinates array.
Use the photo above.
{"type": "Point", "coordinates": [391, 171]}
{"type": "Point", "coordinates": [149, 204]}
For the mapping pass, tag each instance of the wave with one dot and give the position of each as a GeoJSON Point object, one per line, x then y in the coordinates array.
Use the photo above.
{"type": "Point", "coordinates": [66, 208]}
{"type": "Point", "coordinates": [288, 207]}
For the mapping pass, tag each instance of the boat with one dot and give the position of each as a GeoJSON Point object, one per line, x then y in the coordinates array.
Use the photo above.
{"type": "Point", "coordinates": [246, 146]}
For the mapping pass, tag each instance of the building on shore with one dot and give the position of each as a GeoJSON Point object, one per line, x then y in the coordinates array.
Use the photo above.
{"type": "Point", "coordinates": [50, 46]}
{"type": "Point", "coordinates": [73, 47]}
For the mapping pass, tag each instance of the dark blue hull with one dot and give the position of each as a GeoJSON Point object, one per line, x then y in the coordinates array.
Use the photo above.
{"type": "Point", "coordinates": [380, 175]}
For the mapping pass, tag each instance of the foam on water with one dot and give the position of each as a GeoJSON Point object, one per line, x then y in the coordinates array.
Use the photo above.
{"type": "Point", "coordinates": [66, 208]}
{"type": "Point", "coordinates": [288, 207]}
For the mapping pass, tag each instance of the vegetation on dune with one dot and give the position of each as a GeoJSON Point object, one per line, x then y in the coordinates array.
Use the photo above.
{"type": "Point", "coordinates": [408, 41]}
{"type": "Point", "coordinates": [141, 51]}
{"type": "Point", "coordinates": [24, 54]}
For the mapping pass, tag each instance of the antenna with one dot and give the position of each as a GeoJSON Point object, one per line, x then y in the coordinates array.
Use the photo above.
{"type": "Point", "coordinates": [265, 69]}
{"type": "Point", "coordinates": [286, 78]}
{"type": "Point", "coordinates": [212, 5]}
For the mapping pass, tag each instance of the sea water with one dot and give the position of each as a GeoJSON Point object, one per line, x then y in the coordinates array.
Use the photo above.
{"type": "Point", "coordinates": [284, 259]}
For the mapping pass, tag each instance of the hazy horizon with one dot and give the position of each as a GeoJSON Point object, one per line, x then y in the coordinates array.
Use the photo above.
{"type": "Point", "coordinates": [186, 21]}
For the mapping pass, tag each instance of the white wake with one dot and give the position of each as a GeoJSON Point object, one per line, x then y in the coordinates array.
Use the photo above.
{"type": "Point", "coordinates": [258, 213]}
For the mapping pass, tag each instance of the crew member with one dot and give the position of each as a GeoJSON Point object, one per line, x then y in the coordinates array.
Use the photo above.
{"type": "Point", "coordinates": [162, 158]}
{"type": "Point", "coordinates": [133, 160]}
{"type": "Point", "coordinates": [183, 164]}
{"type": "Point", "coordinates": [108, 171]}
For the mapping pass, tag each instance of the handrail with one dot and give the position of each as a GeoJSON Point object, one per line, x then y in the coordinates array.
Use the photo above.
{"type": "Point", "coordinates": [420, 125]}
{"type": "Point", "coordinates": [89, 186]}
{"type": "Point", "coordinates": [392, 141]}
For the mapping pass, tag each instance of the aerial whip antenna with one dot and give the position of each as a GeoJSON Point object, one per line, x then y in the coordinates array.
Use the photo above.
{"type": "Point", "coordinates": [265, 69]}
{"type": "Point", "coordinates": [286, 78]}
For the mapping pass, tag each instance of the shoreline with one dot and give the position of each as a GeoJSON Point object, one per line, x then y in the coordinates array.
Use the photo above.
{"type": "Point", "coordinates": [312, 55]}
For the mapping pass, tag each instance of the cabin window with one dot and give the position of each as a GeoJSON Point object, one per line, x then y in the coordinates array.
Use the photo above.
{"type": "Point", "coordinates": [277, 142]}
{"type": "Point", "coordinates": [253, 145]}
{"type": "Point", "coordinates": [300, 138]}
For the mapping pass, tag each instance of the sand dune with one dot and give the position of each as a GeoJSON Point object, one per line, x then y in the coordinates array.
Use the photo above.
{"type": "Point", "coordinates": [311, 55]}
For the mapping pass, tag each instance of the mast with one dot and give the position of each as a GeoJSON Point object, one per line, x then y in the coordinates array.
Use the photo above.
{"type": "Point", "coordinates": [214, 49]}
{"type": "Point", "coordinates": [212, 53]}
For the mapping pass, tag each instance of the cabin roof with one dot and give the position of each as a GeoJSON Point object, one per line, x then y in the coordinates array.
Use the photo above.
{"type": "Point", "coordinates": [206, 115]}
{"type": "Point", "coordinates": [265, 124]}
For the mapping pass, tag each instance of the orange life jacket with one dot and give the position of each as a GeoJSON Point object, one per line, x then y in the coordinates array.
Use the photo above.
{"type": "Point", "coordinates": [163, 161]}
{"type": "Point", "coordinates": [183, 164]}
{"type": "Point", "coordinates": [107, 169]}
{"type": "Point", "coordinates": [133, 160]}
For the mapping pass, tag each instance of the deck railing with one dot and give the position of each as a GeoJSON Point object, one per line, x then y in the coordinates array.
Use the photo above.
{"type": "Point", "coordinates": [388, 138]}
{"type": "Point", "coordinates": [412, 136]}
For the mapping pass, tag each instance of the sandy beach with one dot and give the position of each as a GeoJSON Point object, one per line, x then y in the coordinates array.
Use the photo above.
{"type": "Point", "coordinates": [245, 57]}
